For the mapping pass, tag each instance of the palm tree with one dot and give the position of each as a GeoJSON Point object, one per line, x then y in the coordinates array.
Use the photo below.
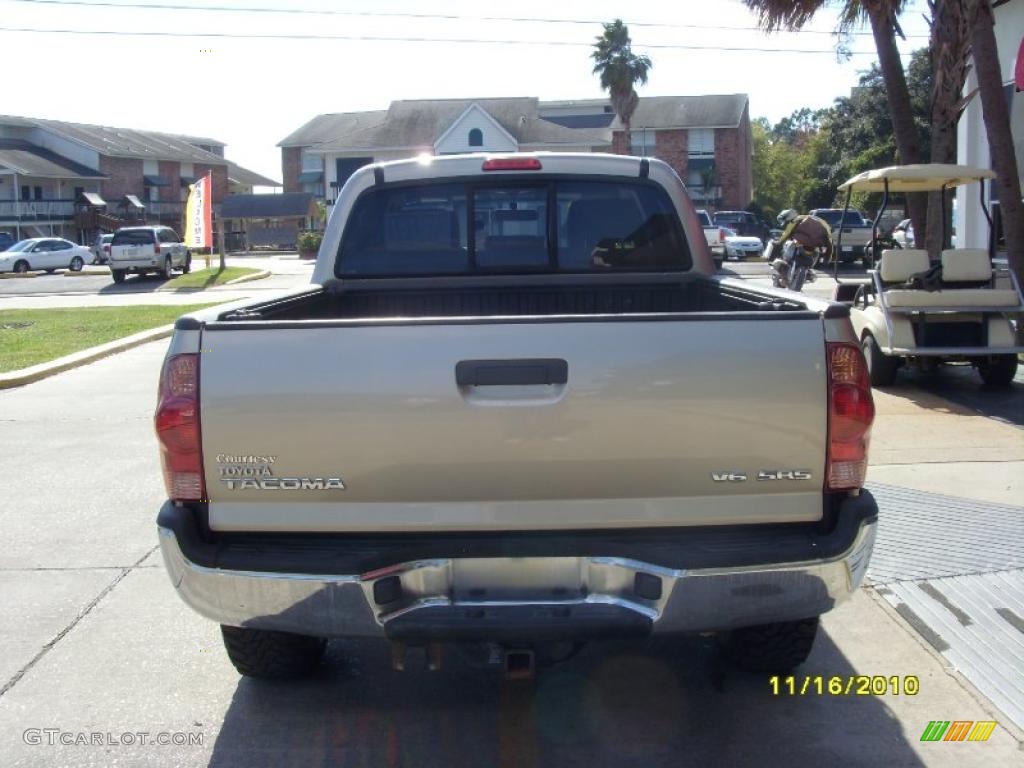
{"type": "Point", "coordinates": [620, 70]}
{"type": "Point", "coordinates": [881, 14]}
{"type": "Point", "coordinates": [1000, 139]}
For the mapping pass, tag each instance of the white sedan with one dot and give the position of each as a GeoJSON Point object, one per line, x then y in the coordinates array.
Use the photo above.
{"type": "Point", "coordinates": [44, 253]}
{"type": "Point", "coordinates": [741, 246]}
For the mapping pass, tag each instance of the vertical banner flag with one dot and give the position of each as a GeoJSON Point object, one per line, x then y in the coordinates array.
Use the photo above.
{"type": "Point", "coordinates": [199, 214]}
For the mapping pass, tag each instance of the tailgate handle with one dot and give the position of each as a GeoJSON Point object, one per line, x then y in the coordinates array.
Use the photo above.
{"type": "Point", "coordinates": [528, 372]}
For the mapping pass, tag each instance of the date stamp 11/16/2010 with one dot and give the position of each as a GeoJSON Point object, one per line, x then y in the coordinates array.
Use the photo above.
{"type": "Point", "coordinates": [845, 685]}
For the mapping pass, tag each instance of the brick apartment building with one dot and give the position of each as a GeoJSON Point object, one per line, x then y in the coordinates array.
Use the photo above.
{"type": "Point", "coordinates": [706, 139]}
{"type": "Point", "coordinates": [48, 166]}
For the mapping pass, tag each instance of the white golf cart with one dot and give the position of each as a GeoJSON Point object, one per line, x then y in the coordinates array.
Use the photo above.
{"type": "Point", "coordinates": [926, 309]}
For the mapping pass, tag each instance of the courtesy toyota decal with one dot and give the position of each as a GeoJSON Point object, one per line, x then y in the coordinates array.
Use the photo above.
{"type": "Point", "coordinates": [253, 472]}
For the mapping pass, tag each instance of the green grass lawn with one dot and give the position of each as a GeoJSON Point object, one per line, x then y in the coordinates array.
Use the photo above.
{"type": "Point", "coordinates": [32, 336]}
{"type": "Point", "coordinates": [205, 278]}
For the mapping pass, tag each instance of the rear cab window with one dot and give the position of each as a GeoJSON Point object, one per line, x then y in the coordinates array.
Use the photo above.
{"type": "Point", "coordinates": [704, 219]}
{"type": "Point", "coordinates": [133, 237]}
{"type": "Point", "coordinates": [511, 226]}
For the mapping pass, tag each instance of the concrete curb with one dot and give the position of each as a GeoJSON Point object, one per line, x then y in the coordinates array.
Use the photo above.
{"type": "Point", "coordinates": [18, 276]}
{"type": "Point", "coordinates": [82, 357]}
{"type": "Point", "coordinates": [248, 278]}
{"type": "Point", "coordinates": [87, 273]}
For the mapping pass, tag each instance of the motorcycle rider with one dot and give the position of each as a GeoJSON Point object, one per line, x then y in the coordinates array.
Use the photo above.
{"type": "Point", "coordinates": [803, 230]}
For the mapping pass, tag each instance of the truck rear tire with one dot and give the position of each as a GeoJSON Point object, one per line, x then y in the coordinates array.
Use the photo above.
{"type": "Point", "coordinates": [272, 655]}
{"type": "Point", "coordinates": [776, 647]}
{"type": "Point", "coordinates": [998, 370]}
{"type": "Point", "coordinates": [881, 367]}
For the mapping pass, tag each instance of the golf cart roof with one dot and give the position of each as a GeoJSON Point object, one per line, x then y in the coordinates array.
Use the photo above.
{"type": "Point", "coordinates": [925, 177]}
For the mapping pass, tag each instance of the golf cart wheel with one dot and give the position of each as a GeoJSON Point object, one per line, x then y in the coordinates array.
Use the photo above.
{"type": "Point", "coordinates": [778, 647]}
{"type": "Point", "coordinates": [718, 264]}
{"type": "Point", "coordinates": [118, 275]}
{"type": "Point", "coordinates": [76, 264]}
{"type": "Point", "coordinates": [998, 370]}
{"type": "Point", "coordinates": [188, 264]}
{"type": "Point", "coordinates": [881, 367]}
{"type": "Point", "coordinates": [21, 267]}
{"type": "Point", "coordinates": [272, 655]}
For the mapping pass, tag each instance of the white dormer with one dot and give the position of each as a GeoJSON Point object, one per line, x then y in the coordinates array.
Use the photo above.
{"type": "Point", "coordinates": [475, 131]}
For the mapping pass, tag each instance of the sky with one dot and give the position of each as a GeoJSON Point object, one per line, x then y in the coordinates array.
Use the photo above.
{"type": "Point", "coordinates": [188, 71]}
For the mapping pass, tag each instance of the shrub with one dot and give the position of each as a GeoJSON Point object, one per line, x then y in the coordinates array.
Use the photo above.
{"type": "Point", "coordinates": [309, 242]}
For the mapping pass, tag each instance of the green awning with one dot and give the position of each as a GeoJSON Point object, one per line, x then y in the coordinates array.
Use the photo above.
{"type": "Point", "coordinates": [311, 177]}
{"type": "Point", "coordinates": [156, 181]}
{"type": "Point", "coordinates": [700, 163]}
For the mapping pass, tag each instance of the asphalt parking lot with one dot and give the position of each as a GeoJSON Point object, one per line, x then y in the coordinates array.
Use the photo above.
{"type": "Point", "coordinates": [95, 281]}
{"type": "Point", "coordinates": [96, 642]}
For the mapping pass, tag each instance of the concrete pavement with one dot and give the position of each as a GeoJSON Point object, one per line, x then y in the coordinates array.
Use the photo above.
{"type": "Point", "coordinates": [95, 640]}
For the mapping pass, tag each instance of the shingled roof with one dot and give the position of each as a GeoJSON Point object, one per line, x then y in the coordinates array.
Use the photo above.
{"type": "Point", "coordinates": [129, 142]}
{"type": "Point", "coordinates": [687, 112]}
{"type": "Point", "coordinates": [417, 124]}
{"type": "Point", "coordinates": [329, 127]}
{"type": "Point", "coordinates": [27, 159]}
{"type": "Point", "coordinates": [240, 175]}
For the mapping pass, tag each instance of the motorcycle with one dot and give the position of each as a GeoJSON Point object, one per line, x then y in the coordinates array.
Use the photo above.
{"type": "Point", "coordinates": [793, 266]}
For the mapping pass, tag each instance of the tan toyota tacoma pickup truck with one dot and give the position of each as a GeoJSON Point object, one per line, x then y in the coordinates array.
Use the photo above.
{"type": "Point", "coordinates": [515, 408]}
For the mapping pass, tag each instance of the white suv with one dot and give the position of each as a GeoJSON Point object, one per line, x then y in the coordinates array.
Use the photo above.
{"type": "Point", "coordinates": [147, 249]}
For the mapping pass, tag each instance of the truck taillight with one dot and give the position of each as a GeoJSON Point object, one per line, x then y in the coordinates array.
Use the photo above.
{"type": "Point", "coordinates": [721, 235]}
{"type": "Point", "coordinates": [156, 247]}
{"type": "Point", "coordinates": [177, 428]}
{"type": "Point", "coordinates": [851, 411]}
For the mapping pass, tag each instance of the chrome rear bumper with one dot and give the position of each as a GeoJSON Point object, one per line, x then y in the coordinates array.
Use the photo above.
{"type": "Point", "coordinates": [549, 596]}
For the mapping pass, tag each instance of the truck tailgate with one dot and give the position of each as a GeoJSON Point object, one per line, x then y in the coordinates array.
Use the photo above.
{"type": "Point", "coordinates": [654, 425]}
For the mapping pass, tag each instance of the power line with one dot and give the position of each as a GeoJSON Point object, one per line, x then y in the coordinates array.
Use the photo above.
{"type": "Point", "coordinates": [402, 39]}
{"type": "Point", "coordinates": [405, 15]}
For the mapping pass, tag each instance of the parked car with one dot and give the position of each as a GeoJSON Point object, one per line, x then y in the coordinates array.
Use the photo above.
{"type": "Point", "coordinates": [856, 231]}
{"type": "Point", "coordinates": [139, 250]}
{"type": "Point", "coordinates": [6, 241]}
{"type": "Point", "coordinates": [44, 253]}
{"type": "Point", "coordinates": [743, 223]}
{"type": "Point", "coordinates": [101, 249]}
{"type": "Point", "coordinates": [739, 246]}
{"type": "Point", "coordinates": [715, 237]}
{"type": "Point", "coordinates": [459, 432]}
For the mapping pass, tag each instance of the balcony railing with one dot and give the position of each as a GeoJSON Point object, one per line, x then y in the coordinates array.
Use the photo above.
{"type": "Point", "coordinates": [36, 210]}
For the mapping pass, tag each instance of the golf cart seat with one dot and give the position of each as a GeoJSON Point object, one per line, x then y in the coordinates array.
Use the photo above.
{"type": "Point", "coordinates": [969, 267]}
{"type": "Point", "coordinates": [899, 265]}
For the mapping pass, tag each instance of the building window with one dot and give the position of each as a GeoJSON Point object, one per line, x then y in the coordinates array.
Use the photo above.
{"type": "Point", "coordinates": [642, 142]}
{"type": "Point", "coordinates": [26, 193]}
{"type": "Point", "coordinates": [312, 161]}
{"type": "Point", "coordinates": [476, 137]}
{"type": "Point", "coordinates": [79, 191]}
{"type": "Point", "coordinates": [37, 193]}
{"type": "Point", "coordinates": [701, 142]}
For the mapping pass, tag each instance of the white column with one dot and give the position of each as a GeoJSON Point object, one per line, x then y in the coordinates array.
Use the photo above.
{"type": "Point", "coordinates": [972, 149]}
